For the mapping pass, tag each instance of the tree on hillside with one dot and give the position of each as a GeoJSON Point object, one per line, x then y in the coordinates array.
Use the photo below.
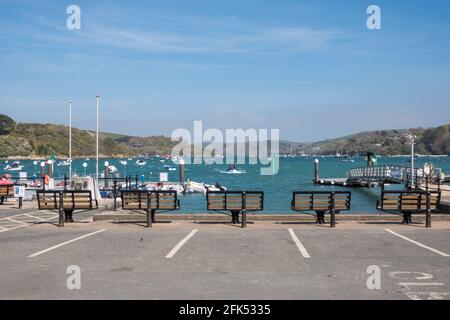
{"type": "Point", "coordinates": [6, 124]}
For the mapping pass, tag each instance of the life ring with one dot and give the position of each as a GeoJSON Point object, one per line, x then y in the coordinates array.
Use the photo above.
{"type": "Point", "coordinates": [46, 179]}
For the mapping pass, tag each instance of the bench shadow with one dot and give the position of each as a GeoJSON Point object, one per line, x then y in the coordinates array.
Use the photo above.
{"type": "Point", "coordinates": [222, 223]}
{"type": "Point", "coordinates": [421, 225]}
{"type": "Point", "coordinates": [138, 222]}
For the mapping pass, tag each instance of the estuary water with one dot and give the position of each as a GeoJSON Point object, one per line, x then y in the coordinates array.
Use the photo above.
{"type": "Point", "coordinates": [295, 174]}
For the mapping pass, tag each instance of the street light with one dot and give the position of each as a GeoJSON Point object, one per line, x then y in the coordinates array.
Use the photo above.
{"type": "Point", "coordinates": [85, 166]}
{"type": "Point", "coordinates": [124, 163]}
{"type": "Point", "coordinates": [412, 138]}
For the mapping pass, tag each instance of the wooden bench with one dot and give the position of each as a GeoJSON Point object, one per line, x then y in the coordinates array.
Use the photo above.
{"type": "Point", "coordinates": [236, 202]}
{"type": "Point", "coordinates": [410, 202]}
{"type": "Point", "coordinates": [322, 202]}
{"type": "Point", "coordinates": [66, 202]}
{"type": "Point", "coordinates": [150, 202]}
{"type": "Point", "coordinates": [6, 191]}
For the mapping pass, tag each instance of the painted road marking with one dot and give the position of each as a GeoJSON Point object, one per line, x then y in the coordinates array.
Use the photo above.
{"type": "Point", "coordinates": [34, 217]}
{"type": "Point", "coordinates": [65, 243]}
{"type": "Point", "coordinates": [172, 252]}
{"type": "Point", "coordinates": [15, 221]}
{"type": "Point", "coordinates": [418, 243]}
{"type": "Point", "coordinates": [16, 224]}
{"type": "Point", "coordinates": [300, 246]}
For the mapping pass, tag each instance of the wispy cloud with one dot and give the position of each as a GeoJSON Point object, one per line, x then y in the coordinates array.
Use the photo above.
{"type": "Point", "coordinates": [251, 40]}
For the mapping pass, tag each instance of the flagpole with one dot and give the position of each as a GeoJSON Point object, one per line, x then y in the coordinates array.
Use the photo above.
{"type": "Point", "coordinates": [96, 164]}
{"type": "Point", "coordinates": [70, 140]}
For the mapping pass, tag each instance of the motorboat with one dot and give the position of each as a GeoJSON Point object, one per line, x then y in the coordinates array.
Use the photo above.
{"type": "Point", "coordinates": [233, 170]}
{"type": "Point", "coordinates": [15, 166]}
{"type": "Point", "coordinates": [141, 163]}
{"type": "Point", "coordinates": [113, 169]}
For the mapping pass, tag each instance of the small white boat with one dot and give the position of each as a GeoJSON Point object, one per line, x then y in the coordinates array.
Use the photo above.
{"type": "Point", "coordinates": [113, 169]}
{"type": "Point", "coordinates": [233, 170]}
{"type": "Point", "coordinates": [123, 162]}
{"type": "Point", "coordinates": [15, 166]}
{"type": "Point", "coordinates": [141, 163]}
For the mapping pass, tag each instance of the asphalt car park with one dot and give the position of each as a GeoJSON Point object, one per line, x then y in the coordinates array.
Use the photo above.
{"type": "Point", "coordinates": [192, 260]}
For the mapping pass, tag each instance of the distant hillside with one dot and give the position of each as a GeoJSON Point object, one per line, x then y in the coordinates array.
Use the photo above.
{"type": "Point", "coordinates": [433, 141]}
{"type": "Point", "coordinates": [43, 140]}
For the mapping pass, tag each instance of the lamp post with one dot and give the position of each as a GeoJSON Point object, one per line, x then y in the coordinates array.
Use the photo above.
{"type": "Point", "coordinates": [85, 166]}
{"type": "Point", "coordinates": [42, 168]}
{"type": "Point", "coordinates": [412, 138]}
{"type": "Point", "coordinates": [35, 169]}
{"type": "Point", "coordinates": [124, 163]}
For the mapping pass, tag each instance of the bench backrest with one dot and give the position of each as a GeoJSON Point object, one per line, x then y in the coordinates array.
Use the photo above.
{"type": "Point", "coordinates": [48, 200]}
{"type": "Point", "coordinates": [235, 200]}
{"type": "Point", "coordinates": [164, 200]}
{"type": "Point", "coordinates": [6, 190]}
{"type": "Point", "coordinates": [71, 200]}
{"type": "Point", "coordinates": [321, 200]}
{"type": "Point", "coordinates": [135, 200]}
{"type": "Point", "coordinates": [413, 201]}
{"type": "Point", "coordinates": [77, 200]}
{"type": "Point", "coordinates": [158, 200]}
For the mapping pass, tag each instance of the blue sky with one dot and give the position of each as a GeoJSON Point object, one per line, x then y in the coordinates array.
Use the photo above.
{"type": "Point", "coordinates": [309, 68]}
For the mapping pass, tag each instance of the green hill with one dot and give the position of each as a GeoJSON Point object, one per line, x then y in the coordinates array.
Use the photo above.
{"type": "Point", "coordinates": [430, 141]}
{"type": "Point", "coordinates": [43, 140]}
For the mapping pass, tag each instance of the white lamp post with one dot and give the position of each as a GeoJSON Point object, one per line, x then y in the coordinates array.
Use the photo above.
{"type": "Point", "coordinates": [35, 169]}
{"type": "Point", "coordinates": [85, 166]}
{"type": "Point", "coordinates": [412, 138]}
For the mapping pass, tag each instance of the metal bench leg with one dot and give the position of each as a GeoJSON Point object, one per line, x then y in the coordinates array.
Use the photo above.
{"type": "Point", "coordinates": [320, 217]}
{"type": "Point", "coordinates": [235, 217]}
{"type": "Point", "coordinates": [68, 216]}
{"type": "Point", "coordinates": [153, 212]}
{"type": "Point", "coordinates": [407, 219]}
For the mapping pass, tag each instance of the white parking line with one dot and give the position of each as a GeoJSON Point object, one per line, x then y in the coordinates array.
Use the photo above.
{"type": "Point", "coordinates": [64, 243]}
{"type": "Point", "coordinates": [418, 243]}
{"type": "Point", "coordinates": [300, 246]}
{"type": "Point", "coordinates": [15, 221]}
{"type": "Point", "coordinates": [181, 244]}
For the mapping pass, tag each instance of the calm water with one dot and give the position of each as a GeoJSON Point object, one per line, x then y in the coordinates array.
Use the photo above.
{"type": "Point", "coordinates": [295, 174]}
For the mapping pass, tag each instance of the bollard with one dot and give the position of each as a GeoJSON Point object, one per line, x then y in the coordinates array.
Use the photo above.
{"type": "Point", "coordinates": [61, 210]}
{"type": "Point", "coordinates": [182, 171]}
{"type": "Point", "coordinates": [115, 194]}
{"type": "Point", "coordinates": [316, 170]}
{"type": "Point", "coordinates": [20, 202]}
{"type": "Point", "coordinates": [244, 211]}
{"type": "Point", "coordinates": [106, 184]}
{"type": "Point", "coordinates": [428, 216]}
{"type": "Point", "coordinates": [332, 212]}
